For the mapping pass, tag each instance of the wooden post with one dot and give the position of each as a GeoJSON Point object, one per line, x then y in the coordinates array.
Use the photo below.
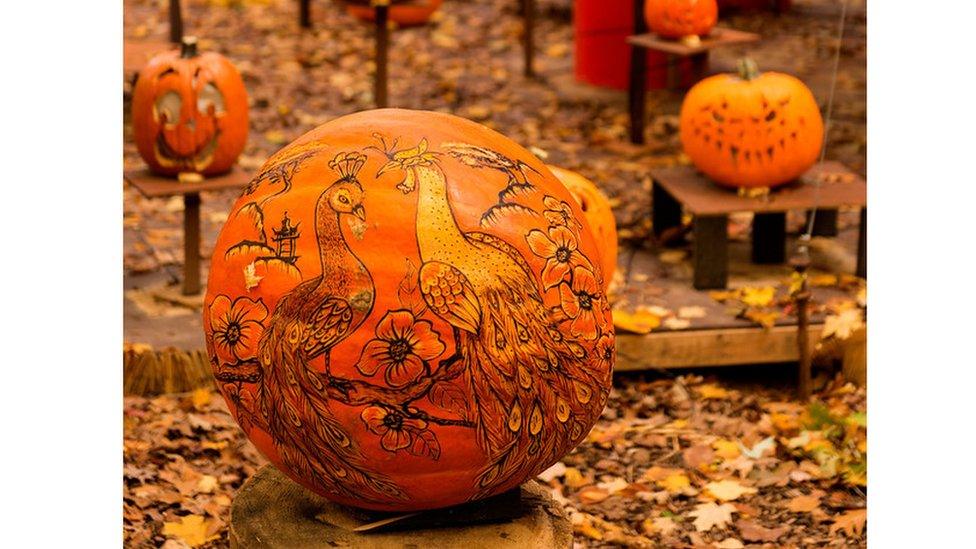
{"type": "Point", "coordinates": [711, 252]}
{"type": "Point", "coordinates": [637, 85]}
{"type": "Point", "coordinates": [175, 22]}
{"type": "Point", "coordinates": [665, 210]}
{"type": "Point", "coordinates": [305, 14]}
{"type": "Point", "coordinates": [801, 262]}
{"type": "Point", "coordinates": [191, 244]}
{"type": "Point", "coordinates": [528, 20]}
{"type": "Point", "coordinates": [382, 8]}
{"type": "Point", "coordinates": [862, 245]}
{"type": "Point", "coordinates": [769, 238]}
{"type": "Point", "coordinates": [699, 63]}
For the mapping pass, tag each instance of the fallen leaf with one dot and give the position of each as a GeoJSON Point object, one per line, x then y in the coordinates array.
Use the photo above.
{"type": "Point", "coordinates": [675, 483]}
{"type": "Point", "coordinates": [729, 543]}
{"type": "Point", "coordinates": [707, 391]}
{"type": "Point", "coordinates": [592, 494]}
{"type": "Point", "coordinates": [753, 531]}
{"type": "Point", "coordinates": [699, 456]}
{"type": "Point", "coordinates": [708, 515]}
{"type": "Point", "coordinates": [638, 322]}
{"type": "Point", "coordinates": [759, 448]}
{"type": "Point", "coordinates": [758, 297]}
{"type": "Point", "coordinates": [726, 449]}
{"type": "Point", "coordinates": [843, 324]}
{"type": "Point", "coordinates": [673, 323]}
{"type": "Point", "coordinates": [803, 504]}
{"type": "Point", "coordinates": [851, 522]}
{"type": "Point", "coordinates": [558, 469]}
{"type": "Point", "coordinates": [691, 312]}
{"type": "Point", "coordinates": [766, 319]}
{"type": "Point", "coordinates": [200, 398]}
{"type": "Point", "coordinates": [192, 529]}
{"type": "Point", "coordinates": [728, 490]}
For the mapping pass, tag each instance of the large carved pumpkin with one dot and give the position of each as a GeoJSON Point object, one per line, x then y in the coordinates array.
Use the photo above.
{"type": "Point", "coordinates": [751, 129]}
{"type": "Point", "coordinates": [405, 13]}
{"type": "Point", "coordinates": [189, 112]}
{"type": "Point", "coordinates": [598, 213]}
{"type": "Point", "coordinates": [680, 18]}
{"type": "Point", "coordinates": [405, 311]}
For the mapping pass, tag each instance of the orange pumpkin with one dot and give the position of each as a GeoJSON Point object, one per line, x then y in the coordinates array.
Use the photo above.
{"type": "Point", "coordinates": [751, 129]}
{"type": "Point", "coordinates": [598, 213]}
{"type": "Point", "coordinates": [189, 112]}
{"type": "Point", "coordinates": [680, 18]}
{"type": "Point", "coordinates": [405, 311]}
{"type": "Point", "coordinates": [404, 13]}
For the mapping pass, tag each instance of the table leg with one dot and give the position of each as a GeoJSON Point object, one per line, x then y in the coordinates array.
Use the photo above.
{"type": "Point", "coordinates": [862, 245]}
{"type": "Point", "coordinates": [191, 244]}
{"type": "Point", "coordinates": [528, 19]}
{"type": "Point", "coordinates": [304, 14]}
{"type": "Point", "coordinates": [711, 252]}
{"type": "Point", "coordinates": [672, 80]}
{"type": "Point", "coordinates": [636, 96]}
{"type": "Point", "coordinates": [665, 210]}
{"type": "Point", "coordinates": [825, 223]}
{"type": "Point", "coordinates": [769, 238]}
{"type": "Point", "coordinates": [699, 64]}
{"type": "Point", "coordinates": [382, 54]}
{"type": "Point", "coordinates": [175, 22]}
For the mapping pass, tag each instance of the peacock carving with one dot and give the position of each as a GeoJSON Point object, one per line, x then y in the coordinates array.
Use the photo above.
{"type": "Point", "coordinates": [533, 385]}
{"type": "Point", "coordinates": [306, 324]}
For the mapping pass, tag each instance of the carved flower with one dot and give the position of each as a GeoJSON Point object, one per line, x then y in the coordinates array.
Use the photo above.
{"type": "Point", "coordinates": [402, 345]}
{"type": "Point", "coordinates": [560, 251]}
{"type": "Point", "coordinates": [396, 430]}
{"type": "Point", "coordinates": [235, 327]}
{"type": "Point", "coordinates": [558, 212]}
{"type": "Point", "coordinates": [605, 350]}
{"type": "Point", "coordinates": [580, 300]}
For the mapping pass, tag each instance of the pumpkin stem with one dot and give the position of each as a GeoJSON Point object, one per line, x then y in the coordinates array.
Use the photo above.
{"type": "Point", "coordinates": [188, 48]}
{"type": "Point", "coordinates": [748, 69]}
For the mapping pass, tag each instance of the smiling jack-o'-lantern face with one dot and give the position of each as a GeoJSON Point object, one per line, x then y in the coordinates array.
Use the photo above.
{"type": "Point", "coordinates": [189, 112]}
{"type": "Point", "coordinates": [751, 130]}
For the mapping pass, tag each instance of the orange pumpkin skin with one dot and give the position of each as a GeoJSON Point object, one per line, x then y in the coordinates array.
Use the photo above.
{"type": "Point", "coordinates": [406, 15]}
{"type": "Point", "coordinates": [598, 213]}
{"type": "Point", "coordinates": [405, 311]}
{"type": "Point", "coordinates": [750, 133]}
{"type": "Point", "coordinates": [189, 114]}
{"type": "Point", "coordinates": [679, 18]}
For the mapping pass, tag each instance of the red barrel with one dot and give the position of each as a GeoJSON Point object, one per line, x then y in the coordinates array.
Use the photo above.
{"type": "Point", "coordinates": [602, 55]}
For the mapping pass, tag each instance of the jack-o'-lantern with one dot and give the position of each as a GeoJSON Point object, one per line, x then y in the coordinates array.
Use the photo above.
{"type": "Point", "coordinates": [405, 311]}
{"type": "Point", "coordinates": [405, 13]}
{"type": "Point", "coordinates": [680, 18]}
{"type": "Point", "coordinates": [751, 130]}
{"type": "Point", "coordinates": [598, 213]}
{"type": "Point", "coordinates": [189, 112]}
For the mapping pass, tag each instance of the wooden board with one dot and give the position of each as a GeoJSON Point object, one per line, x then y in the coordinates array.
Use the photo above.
{"type": "Point", "coordinates": [719, 36]}
{"type": "Point", "coordinates": [838, 186]}
{"type": "Point", "coordinates": [715, 347]}
{"type": "Point", "coordinates": [271, 511]}
{"type": "Point", "coordinates": [155, 186]}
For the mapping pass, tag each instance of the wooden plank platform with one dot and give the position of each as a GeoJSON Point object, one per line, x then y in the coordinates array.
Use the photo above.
{"type": "Point", "coordinates": [157, 186]}
{"type": "Point", "coordinates": [838, 186]}
{"type": "Point", "coordinates": [720, 36]}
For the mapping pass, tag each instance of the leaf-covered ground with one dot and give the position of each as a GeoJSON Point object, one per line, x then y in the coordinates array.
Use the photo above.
{"type": "Point", "coordinates": [674, 461]}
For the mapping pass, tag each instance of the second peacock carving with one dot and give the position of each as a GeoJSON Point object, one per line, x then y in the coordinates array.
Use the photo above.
{"type": "Point", "coordinates": [428, 325]}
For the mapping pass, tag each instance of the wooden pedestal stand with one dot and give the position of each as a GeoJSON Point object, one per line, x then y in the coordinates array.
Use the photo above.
{"type": "Point", "coordinates": [271, 511]}
{"type": "Point", "coordinates": [642, 41]}
{"type": "Point", "coordinates": [156, 186]}
{"type": "Point", "coordinates": [710, 206]}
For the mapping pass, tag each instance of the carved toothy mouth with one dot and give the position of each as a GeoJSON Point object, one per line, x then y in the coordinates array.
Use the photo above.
{"type": "Point", "coordinates": [201, 158]}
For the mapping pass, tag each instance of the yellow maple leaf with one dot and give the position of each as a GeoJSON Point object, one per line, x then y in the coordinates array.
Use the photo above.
{"type": "Point", "coordinates": [675, 483]}
{"type": "Point", "coordinates": [639, 322]}
{"type": "Point", "coordinates": [843, 324]}
{"type": "Point", "coordinates": [758, 297]}
{"type": "Point", "coordinates": [726, 449]}
{"type": "Point", "coordinates": [709, 515]}
{"type": "Point", "coordinates": [728, 490]}
{"type": "Point", "coordinates": [709, 391]}
{"type": "Point", "coordinates": [766, 319]}
{"type": "Point", "coordinates": [192, 529]}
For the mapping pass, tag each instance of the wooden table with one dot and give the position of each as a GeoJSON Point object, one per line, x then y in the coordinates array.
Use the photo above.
{"type": "Point", "coordinates": [156, 186]}
{"type": "Point", "coordinates": [642, 41]}
{"type": "Point", "coordinates": [710, 206]}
